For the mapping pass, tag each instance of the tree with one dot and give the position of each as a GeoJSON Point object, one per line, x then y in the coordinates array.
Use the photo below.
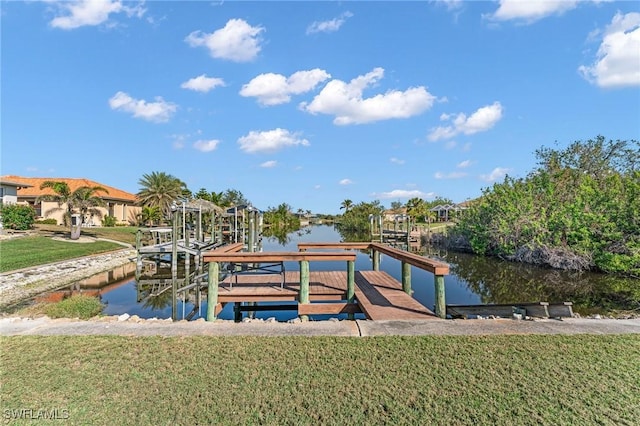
{"type": "Point", "coordinates": [62, 195]}
{"type": "Point", "coordinates": [159, 189]}
{"type": "Point", "coordinates": [396, 206]}
{"type": "Point", "coordinates": [85, 199]}
{"type": "Point", "coordinates": [418, 208]}
{"type": "Point", "coordinates": [203, 194]}
{"type": "Point", "coordinates": [232, 197]}
{"type": "Point", "coordinates": [346, 205]}
{"type": "Point", "coordinates": [577, 210]}
{"type": "Point", "coordinates": [150, 215]}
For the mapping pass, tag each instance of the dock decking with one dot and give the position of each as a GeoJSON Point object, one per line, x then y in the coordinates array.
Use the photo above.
{"type": "Point", "coordinates": [379, 296]}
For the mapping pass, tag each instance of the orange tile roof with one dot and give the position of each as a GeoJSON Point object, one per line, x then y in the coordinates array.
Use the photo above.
{"type": "Point", "coordinates": [35, 191]}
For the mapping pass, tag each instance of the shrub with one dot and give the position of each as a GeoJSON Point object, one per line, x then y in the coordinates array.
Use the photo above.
{"type": "Point", "coordinates": [109, 221]}
{"type": "Point", "coordinates": [17, 216]}
{"type": "Point", "coordinates": [47, 222]}
{"type": "Point", "coordinates": [78, 306]}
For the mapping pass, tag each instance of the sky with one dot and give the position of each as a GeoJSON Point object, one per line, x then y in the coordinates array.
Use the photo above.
{"type": "Point", "coordinates": [312, 103]}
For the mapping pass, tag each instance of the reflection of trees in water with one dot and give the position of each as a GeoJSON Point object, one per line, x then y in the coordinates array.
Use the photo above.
{"type": "Point", "coordinates": [351, 236]}
{"type": "Point", "coordinates": [284, 235]}
{"type": "Point", "coordinates": [155, 302]}
{"type": "Point", "coordinates": [278, 233]}
{"type": "Point", "coordinates": [507, 282]}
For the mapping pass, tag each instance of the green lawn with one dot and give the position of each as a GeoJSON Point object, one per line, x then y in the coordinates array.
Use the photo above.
{"type": "Point", "coordinates": [448, 380]}
{"type": "Point", "coordinates": [24, 252]}
{"type": "Point", "coordinates": [125, 234]}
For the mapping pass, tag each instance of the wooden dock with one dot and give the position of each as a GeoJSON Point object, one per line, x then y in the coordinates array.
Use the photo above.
{"type": "Point", "coordinates": [236, 277]}
{"type": "Point", "coordinates": [378, 295]}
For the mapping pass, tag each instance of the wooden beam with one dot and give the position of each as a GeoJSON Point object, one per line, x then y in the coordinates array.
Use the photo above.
{"type": "Point", "coordinates": [295, 256]}
{"type": "Point", "coordinates": [334, 246]}
{"type": "Point", "coordinates": [433, 266]}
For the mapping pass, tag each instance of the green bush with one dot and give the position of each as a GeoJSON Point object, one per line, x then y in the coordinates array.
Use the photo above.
{"type": "Point", "coordinates": [583, 199]}
{"type": "Point", "coordinates": [78, 306]}
{"type": "Point", "coordinates": [109, 221]}
{"type": "Point", "coordinates": [47, 222]}
{"type": "Point", "coordinates": [17, 216]}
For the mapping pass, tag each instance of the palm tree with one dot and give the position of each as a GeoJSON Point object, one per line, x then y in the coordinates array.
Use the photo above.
{"type": "Point", "coordinates": [83, 198]}
{"type": "Point", "coordinates": [346, 205]}
{"type": "Point", "coordinates": [86, 200]}
{"type": "Point", "coordinates": [150, 215]}
{"type": "Point", "coordinates": [159, 189]}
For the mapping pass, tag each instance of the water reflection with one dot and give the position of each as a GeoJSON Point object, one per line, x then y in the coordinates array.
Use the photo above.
{"type": "Point", "coordinates": [472, 280]}
{"type": "Point", "coordinates": [497, 281]}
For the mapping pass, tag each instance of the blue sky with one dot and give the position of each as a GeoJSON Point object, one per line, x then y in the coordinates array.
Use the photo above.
{"type": "Point", "coordinates": [312, 103]}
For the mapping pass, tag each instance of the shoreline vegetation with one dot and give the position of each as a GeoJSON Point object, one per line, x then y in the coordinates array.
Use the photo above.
{"type": "Point", "coordinates": [579, 210]}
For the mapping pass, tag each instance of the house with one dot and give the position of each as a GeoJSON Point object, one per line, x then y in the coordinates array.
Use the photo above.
{"type": "Point", "coordinates": [119, 204]}
{"type": "Point", "coordinates": [395, 215]}
{"type": "Point", "coordinates": [9, 190]}
{"type": "Point", "coordinates": [445, 212]}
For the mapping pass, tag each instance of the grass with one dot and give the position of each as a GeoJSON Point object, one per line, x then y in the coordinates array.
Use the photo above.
{"type": "Point", "coordinates": [24, 252]}
{"type": "Point", "coordinates": [491, 380]}
{"type": "Point", "coordinates": [76, 306]}
{"type": "Point", "coordinates": [124, 234]}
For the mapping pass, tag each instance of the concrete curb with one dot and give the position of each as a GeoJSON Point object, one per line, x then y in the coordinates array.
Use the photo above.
{"type": "Point", "coordinates": [360, 328]}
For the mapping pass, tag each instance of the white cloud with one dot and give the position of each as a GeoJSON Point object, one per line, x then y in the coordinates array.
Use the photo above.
{"type": "Point", "coordinates": [530, 11]}
{"type": "Point", "coordinates": [464, 164]}
{"type": "Point", "coordinates": [329, 26]}
{"type": "Point", "coordinates": [481, 120]}
{"type": "Point", "coordinates": [206, 146]}
{"type": "Point", "coordinates": [237, 41]}
{"type": "Point", "coordinates": [158, 111]}
{"type": "Point", "coordinates": [617, 62]}
{"type": "Point", "coordinates": [269, 164]}
{"type": "Point", "coordinates": [317, 186]}
{"type": "Point", "coordinates": [346, 182]}
{"type": "Point", "coordinates": [497, 173]}
{"type": "Point", "coordinates": [452, 175]}
{"type": "Point", "coordinates": [274, 89]}
{"type": "Point", "coordinates": [202, 83]}
{"type": "Point", "coordinates": [402, 193]}
{"type": "Point", "coordinates": [450, 144]}
{"type": "Point", "coordinates": [452, 4]}
{"type": "Point", "coordinates": [345, 101]}
{"type": "Point", "coordinates": [270, 141]}
{"type": "Point", "coordinates": [395, 160]}
{"type": "Point", "coordinates": [82, 13]}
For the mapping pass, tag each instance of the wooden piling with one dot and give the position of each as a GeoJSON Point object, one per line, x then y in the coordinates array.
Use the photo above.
{"type": "Point", "coordinates": [441, 307]}
{"type": "Point", "coordinates": [406, 277]}
{"type": "Point", "coordinates": [376, 259]}
{"type": "Point", "coordinates": [174, 268]}
{"type": "Point", "coordinates": [212, 290]}
{"type": "Point", "coordinates": [304, 285]}
{"type": "Point", "coordinates": [351, 284]}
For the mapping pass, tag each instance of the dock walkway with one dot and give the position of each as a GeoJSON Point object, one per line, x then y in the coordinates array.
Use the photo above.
{"type": "Point", "coordinates": [240, 277]}
{"type": "Point", "coordinates": [377, 295]}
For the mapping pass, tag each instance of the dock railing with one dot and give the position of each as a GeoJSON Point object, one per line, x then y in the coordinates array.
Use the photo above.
{"type": "Point", "coordinates": [437, 268]}
{"type": "Point", "coordinates": [217, 257]}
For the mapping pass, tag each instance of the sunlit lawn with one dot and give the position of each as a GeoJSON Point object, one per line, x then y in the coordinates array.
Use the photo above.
{"type": "Point", "coordinates": [448, 380]}
{"type": "Point", "coordinates": [24, 252]}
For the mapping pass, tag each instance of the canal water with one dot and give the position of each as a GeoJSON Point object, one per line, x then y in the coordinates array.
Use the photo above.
{"type": "Point", "coordinates": [472, 280]}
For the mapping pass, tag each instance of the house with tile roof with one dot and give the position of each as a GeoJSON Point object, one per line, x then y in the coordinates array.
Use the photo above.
{"type": "Point", "coordinates": [119, 204]}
